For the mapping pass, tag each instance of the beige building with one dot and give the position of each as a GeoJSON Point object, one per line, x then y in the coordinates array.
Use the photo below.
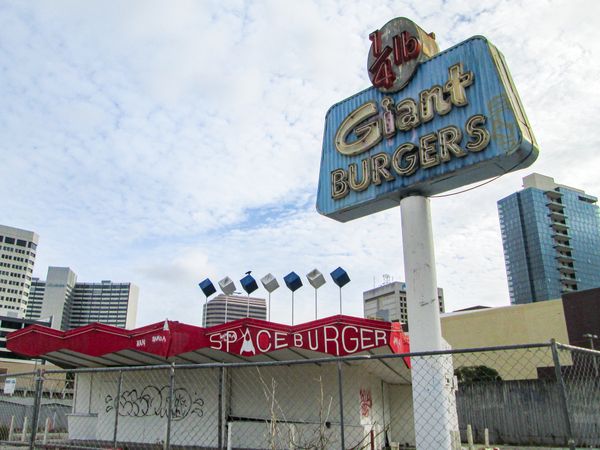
{"type": "Point", "coordinates": [531, 323]}
{"type": "Point", "coordinates": [506, 325]}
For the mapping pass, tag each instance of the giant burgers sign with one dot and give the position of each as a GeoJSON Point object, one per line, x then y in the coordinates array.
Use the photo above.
{"type": "Point", "coordinates": [430, 123]}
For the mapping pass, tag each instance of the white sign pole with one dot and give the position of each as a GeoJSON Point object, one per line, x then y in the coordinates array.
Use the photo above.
{"type": "Point", "coordinates": [434, 402]}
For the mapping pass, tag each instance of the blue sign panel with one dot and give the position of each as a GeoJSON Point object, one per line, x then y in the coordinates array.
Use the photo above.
{"type": "Point", "coordinates": [458, 121]}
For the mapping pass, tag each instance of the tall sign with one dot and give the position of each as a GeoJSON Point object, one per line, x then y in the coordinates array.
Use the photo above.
{"type": "Point", "coordinates": [430, 123]}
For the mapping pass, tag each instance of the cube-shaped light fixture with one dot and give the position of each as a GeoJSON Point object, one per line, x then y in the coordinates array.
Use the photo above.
{"type": "Point", "coordinates": [340, 277]}
{"type": "Point", "coordinates": [207, 287]}
{"type": "Point", "coordinates": [292, 281]}
{"type": "Point", "coordinates": [269, 282]}
{"type": "Point", "coordinates": [249, 284]}
{"type": "Point", "coordinates": [227, 286]}
{"type": "Point", "coordinates": [315, 278]}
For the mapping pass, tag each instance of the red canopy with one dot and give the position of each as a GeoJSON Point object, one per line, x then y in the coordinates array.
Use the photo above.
{"type": "Point", "coordinates": [98, 345]}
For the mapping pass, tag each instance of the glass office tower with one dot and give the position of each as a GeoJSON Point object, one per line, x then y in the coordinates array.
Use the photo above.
{"type": "Point", "coordinates": [551, 240]}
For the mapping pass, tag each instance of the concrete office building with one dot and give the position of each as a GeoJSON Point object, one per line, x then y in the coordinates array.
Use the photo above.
{"type": "Point", "coordinates": [238, 307]}
{"type": "Point", "coordinates": [17, 257]}
{"type": "Point", "coordinates": [53, 298]}
{"type": "Point", "coordinates": [36, 298]}
{"type": "Point", "coordinates": [71, 304]}
{"type": "Point", "coordinates": [106, 302]}
{"type": "Point", "coordinates": [388, 302]}
{"type": "Point", "coordinates": [551, 237]}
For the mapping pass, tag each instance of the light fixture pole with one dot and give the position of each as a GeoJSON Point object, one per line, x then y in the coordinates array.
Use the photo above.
{"type": "Point", "coordinates": [227, 287]}
{"type": "Point", "coordinates": [270, 283]}
{"type": "Point", "coordinates": [208, 289]}
{"type": "Point", "coordinates": [249, 285]}
{"type": "Point", "coordinates": [591, 337]}
{"type": "Point", "coordinates": [341, 278]}
{"type": "Point", "coordinates": [316, 280]}
{"type": "Point", "coordinates": [293, 282]}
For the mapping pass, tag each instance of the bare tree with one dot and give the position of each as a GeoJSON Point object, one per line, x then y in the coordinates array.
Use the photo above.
{"type": "Point", "coordinates": [320, 436]}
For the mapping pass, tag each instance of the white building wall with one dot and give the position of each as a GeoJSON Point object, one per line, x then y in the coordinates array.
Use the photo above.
{"type": "Point", "coordinates": [402, 428]}
{"type": "Point", "coordinates": [83, 421]}
{"type": "Point", "coordinates": [247, 400]}
{"type": "Point", "coordinates": [143, 407]}
{"type": "Point", "coordinates": [297, 391]}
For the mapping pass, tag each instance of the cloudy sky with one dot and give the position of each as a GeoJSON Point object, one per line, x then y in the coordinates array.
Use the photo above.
{"type": "Point", "coordinates": [165, 142]}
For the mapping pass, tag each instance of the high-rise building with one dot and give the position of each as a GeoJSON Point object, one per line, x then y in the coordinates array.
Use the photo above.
{"type": "Point", "coordinates": [36, 298]}
{"type": "Point", "coordinates": [237, 307]}
{"type": "Point", "coordinates": [106, 302]}
{"type": "Point", "coordinates": [70, 304]}
{"type": "Point", "coordinates": [17, 257]}
{"type": "Point", "coordinates": [388, 302]}
{"type": "Point", "coordinates": [58, 297]}
{"type": "Point", "coordinates": [551, 240]}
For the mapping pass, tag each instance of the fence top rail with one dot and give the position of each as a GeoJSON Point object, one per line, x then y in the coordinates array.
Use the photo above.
{"type": "Point", "coordinates": [578, 349]}
{"type": "Point", "coordinates": [324, 360]}
{"type": "Point", "coordinates": [19, 374]}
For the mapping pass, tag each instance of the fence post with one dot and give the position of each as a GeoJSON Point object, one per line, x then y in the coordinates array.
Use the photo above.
{"type": "Point", "coordinates": [117, 404]}
{"type": "Point", "coordinates": [563, 394]}
{"type": "Point", "coordinates": [46, 431]}
{"type": "Point", "coordinates": [11, 429]}
{"type": "Point", "coordinates": [170, 406]}
{"type": "Point", "coordinates": [341, 395]}
{"type": "Point", "coordinates": [37, 400]}
{"type": "Point", "coordinates": [24, 430]}
{"type": "Point", "coordinates": [220, 419]}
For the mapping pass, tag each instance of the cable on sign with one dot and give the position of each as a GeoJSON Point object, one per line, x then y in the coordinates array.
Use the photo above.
{"type": "Point", "coordinates": [479, 185]}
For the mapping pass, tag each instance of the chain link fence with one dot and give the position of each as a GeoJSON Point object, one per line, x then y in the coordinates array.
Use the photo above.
{"type": "Point", "coordinates": [545, 395]}
{"type": "Point", "coordinates": [578, 370]}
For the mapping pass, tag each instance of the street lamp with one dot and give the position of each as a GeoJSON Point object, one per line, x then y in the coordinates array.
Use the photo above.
{"type": "Point", "coordinates": [316, 280]}
{"type": "Point", "coordinates": [341, 278]}
{"type": "Point", "coordinates": [293, 282]}
{"type": "Point", "coordinates": [208, 289]}
{"type": "Point", "coordinates": [591, 337]}
{"type": "Point", "coordinates": [270, 283]}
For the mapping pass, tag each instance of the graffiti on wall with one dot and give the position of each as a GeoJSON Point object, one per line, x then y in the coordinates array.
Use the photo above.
{"type": "Point", "coordinates": [366, 403]}
{"type": "Point", "coordinates": [154, 401]}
